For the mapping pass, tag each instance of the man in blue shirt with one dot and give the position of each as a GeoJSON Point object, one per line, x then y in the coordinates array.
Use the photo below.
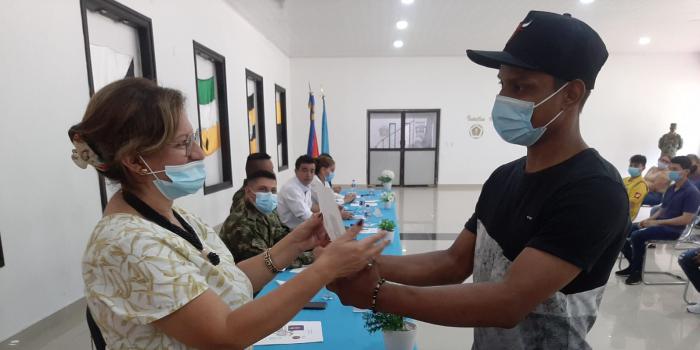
{"type": "Point", "coordinates": [678, 208]}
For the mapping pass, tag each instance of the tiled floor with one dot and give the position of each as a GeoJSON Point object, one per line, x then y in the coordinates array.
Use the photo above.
{"type": "Point", "coordinates": [630, 317]}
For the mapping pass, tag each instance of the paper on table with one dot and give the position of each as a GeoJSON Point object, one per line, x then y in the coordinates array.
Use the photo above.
{"type": "Point", "coordinates": [332, 220]}
{"type": "Point", "coordinates": [370, 230]}
{"type": "Point", "coordinates": [297, 270]}
{"type": "Point", "coordinates": [354, 309]}
{"type": "Point", "coordinates": [295, 332]}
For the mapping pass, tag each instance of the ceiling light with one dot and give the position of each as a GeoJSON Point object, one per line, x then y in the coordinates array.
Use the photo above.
{"type": "Point", "coordinates": [407, 2]}
{"type": "Point", "coordinates": [586, 1]}
{"type": "Point", "coordinates": [398, 44]}
{"type": "Point", "coordinates": [401, 25]}
{"type": "Point", "coordinates": [645, 40]}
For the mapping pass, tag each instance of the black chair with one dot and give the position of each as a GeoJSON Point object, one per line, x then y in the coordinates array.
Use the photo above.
{"type": "Point", "coordinates": [95, 332]}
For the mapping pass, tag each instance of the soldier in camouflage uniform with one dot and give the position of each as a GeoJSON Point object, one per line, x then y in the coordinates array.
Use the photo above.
{"type": "Point", "coordinates": [671, 142]}
{"type": "Point", "coordinates": [253, 225]}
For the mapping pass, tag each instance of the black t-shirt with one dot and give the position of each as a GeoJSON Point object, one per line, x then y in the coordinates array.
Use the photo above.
{"type": "Point", "coordinates": [577, 210]}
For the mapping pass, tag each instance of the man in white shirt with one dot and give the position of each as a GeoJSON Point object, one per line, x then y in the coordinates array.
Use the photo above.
{"type": "Point", "coordinates": [294, 199]}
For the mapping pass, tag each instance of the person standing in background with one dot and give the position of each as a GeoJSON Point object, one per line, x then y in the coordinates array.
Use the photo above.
{"type": "Point", "coordinates": [671, 142]}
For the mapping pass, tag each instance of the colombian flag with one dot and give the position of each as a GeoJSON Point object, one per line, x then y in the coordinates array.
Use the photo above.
{"type": "Point", "coordinates": [312, 149]}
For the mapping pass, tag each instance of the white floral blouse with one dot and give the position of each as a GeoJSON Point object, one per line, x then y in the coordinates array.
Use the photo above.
{"type": "Point", "coordinates": [136, 272]}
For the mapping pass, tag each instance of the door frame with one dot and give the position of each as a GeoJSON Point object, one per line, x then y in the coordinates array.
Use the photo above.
{"type": "Point", "coordinates": [402, 145]}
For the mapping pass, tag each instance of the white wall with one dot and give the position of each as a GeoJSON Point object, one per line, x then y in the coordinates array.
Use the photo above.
{"type": "Point", "coordinates": [48, 206]}
{"type": "Point", "coordinates": [635, 99]}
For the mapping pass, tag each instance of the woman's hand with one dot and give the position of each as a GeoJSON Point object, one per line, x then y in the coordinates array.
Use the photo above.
{"type": "Point", "coordinates": [346, 255]}
{"type": "Point", "coordinates": [309, 234]}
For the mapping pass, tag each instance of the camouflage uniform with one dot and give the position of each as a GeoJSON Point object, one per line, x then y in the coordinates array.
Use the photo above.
{"type": "Point", "coordinates": [247, 232]}
{"type": "Point", "coordinates": [670, 143]}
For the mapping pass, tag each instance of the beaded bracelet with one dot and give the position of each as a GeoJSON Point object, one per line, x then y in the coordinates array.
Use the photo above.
{"type": "Point", "coordinates": [375, 293]}
{"type": "Point", "coordinates": [269, 264]}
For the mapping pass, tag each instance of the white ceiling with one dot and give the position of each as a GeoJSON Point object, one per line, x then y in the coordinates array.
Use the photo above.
{"type": "Point", "coordinates": [360, 28]}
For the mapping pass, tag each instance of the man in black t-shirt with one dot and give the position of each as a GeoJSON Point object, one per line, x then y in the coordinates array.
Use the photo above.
{"type": "Point", "coordinates": [547, 228]}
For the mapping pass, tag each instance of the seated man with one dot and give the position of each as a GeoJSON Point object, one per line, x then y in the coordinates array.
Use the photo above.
{"type": "Point", "coordinates": [253, 225]}
{"type": "Point", "coordinates": [678, 208]}
{"type": "Point", "coordinates": [636, 187]}
{"type": "Point", "coordinates": [657, 181]}
{"type": "Point", "coordinates": [254, 163]}
{"type": "Point", "coordinates": [295, 205]}
{"type": "Point", "coordinates": [690, 262]}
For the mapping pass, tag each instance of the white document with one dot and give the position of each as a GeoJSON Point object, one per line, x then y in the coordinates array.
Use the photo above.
{"type": "Point", "coordinates": [295, 332]}
{"type": "Point", "coordinates": [370, 230]}
{"type": "Point", "coordinates": [297, 270]}
{"type": "Point", "coordinates": [356, 310]}
{"type": "Point", "coordinates": [332, 220]}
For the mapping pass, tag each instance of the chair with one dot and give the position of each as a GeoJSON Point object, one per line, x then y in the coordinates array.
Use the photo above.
{"type": "Point", "coordinates": [684, 238]}
{"type": "Point", "coordinates": [95, 332]}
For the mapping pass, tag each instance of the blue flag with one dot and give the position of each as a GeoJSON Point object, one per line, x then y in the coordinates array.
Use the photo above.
{"type": "Point", "coordinates": [325, 148]}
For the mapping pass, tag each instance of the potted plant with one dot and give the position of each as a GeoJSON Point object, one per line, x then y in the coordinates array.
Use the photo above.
{"type": "Point", "coordinates": [388, 226]}
{"type": "Point", "coordinates": [398, 333]}
{"type": "Point", "coordinates": [387, 198]}
{"type": "Point", "coordinates": [386, 179]}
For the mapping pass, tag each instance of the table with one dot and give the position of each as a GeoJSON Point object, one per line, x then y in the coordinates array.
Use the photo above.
{"type": "Point", "coordinates": [342, 328]}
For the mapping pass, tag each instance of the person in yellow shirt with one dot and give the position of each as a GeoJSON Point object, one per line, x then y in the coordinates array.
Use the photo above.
{"type": "Point", "coordinates": [636, 187]}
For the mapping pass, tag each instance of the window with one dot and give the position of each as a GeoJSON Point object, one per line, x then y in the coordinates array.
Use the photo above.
{"type": "Point", "coordinates": [118, 44]}
{"type": "Point", "coordinates": [255, 112]}
{"type": "Point", "coordinates": [281, 113]}
{"type": "Point", "coordinates": [212, 117]}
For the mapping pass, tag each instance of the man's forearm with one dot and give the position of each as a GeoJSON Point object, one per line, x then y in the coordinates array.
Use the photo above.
{"type": "Point", "coordinates": [677, 221]}
{"type": "Point", "coordinates": [427, 269]}
{"type": "Point", "coordinates": [463, 305]}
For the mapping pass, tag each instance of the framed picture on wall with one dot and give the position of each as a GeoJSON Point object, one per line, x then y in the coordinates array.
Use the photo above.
{"type": "Point", "coordinates": [118, 44]}
{"type": "Point", "coordinates": [212, 117]}
{"type": "Point", "coordinates": [255, 111]}
{"type": "Point", "coordinates": [281, 122]}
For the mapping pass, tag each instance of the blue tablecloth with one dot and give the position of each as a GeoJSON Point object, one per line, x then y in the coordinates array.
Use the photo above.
{"type": "Point", "coordinates": [342, 328]}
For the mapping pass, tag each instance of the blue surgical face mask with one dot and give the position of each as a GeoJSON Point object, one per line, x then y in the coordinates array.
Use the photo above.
{"type": "Point", "coordinates": [185, 179]}
{"type": "Point", "coordinates": [674, 175]}
{"type": "Point", "coordinates": [512, 119]}
{"type": "Point", "coordinates": [266, 202]}
{"type": "Point", "coordinates": [634, 172]}
{"type": "Point", "coordinates": [329, 177]}
{"type": "Point", "coordinates": [662, 165]}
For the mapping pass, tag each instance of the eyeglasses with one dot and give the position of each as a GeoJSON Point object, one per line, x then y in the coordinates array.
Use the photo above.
{"type": "Point", "coordinates": [188, 143]}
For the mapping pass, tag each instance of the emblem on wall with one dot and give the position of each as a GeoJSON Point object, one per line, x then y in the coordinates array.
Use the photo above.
{"type": "Point", "coordinates": [476, 131]}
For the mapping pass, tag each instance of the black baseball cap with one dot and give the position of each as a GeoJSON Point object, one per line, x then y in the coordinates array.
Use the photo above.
{"type": "Point", "coordinates": [559, 45]}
